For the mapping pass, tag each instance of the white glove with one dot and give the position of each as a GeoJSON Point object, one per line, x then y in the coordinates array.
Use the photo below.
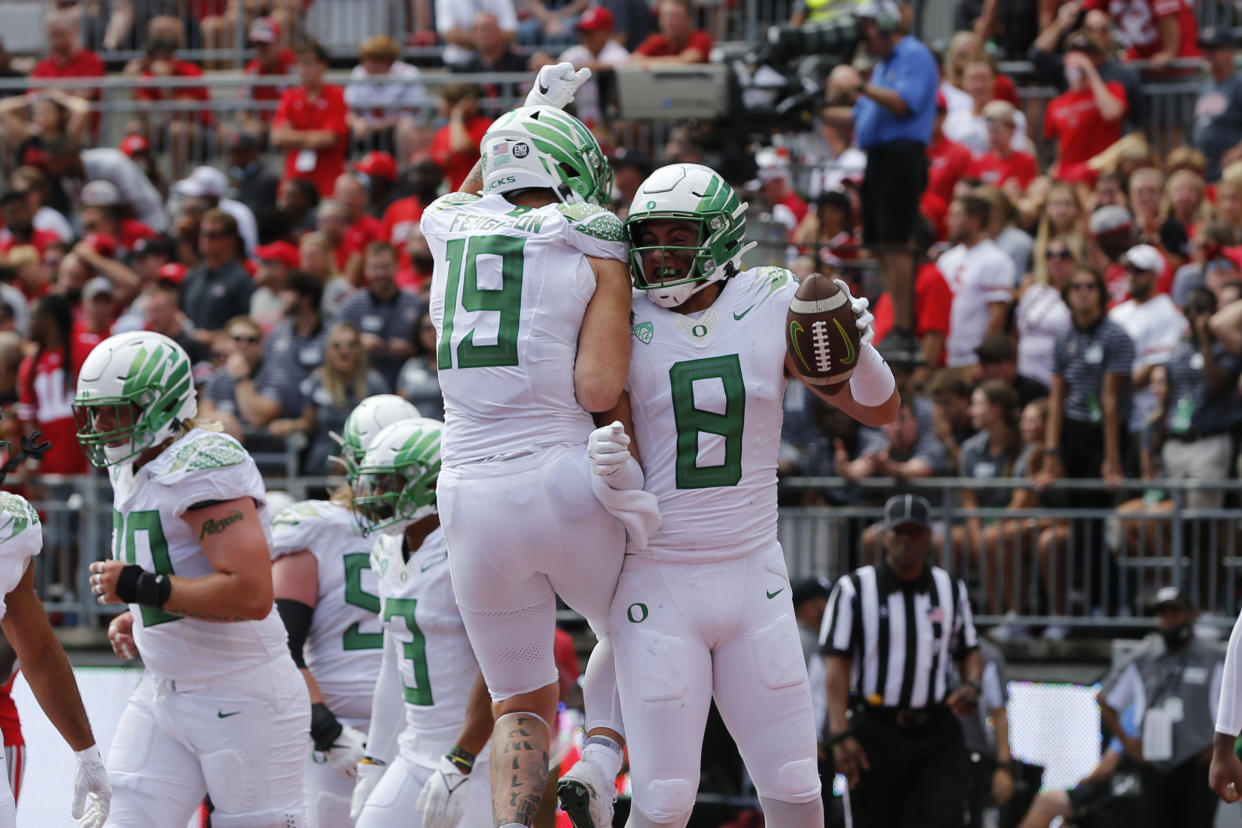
{"type": "Point", "coordinates": [369, 771]}
{"type": "Point", "coordinates": [347, 751]}
{"type": "Point", "coordinates": [92, 793]}
{"type": "Point", "coordinates": [556, 84]}
{"type": "Point", "coordinates": [608, 448]}
{"type": "Point", "coordinates": [442, 800]}
{"type": "Point", "coordinates": [862, 316]}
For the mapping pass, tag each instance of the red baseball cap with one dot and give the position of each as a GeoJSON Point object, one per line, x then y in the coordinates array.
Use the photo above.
{"type": "Point", "coordinates": [378, 165]}
{"type": "Point", "coordinates": [101, 243]}
{"type": "Point", "coordinates": [133, 144]}
{"type": "Point", "coordinates": [173, 272]}
{"type": "Point", "coordinates": [278, 251]}
{"type": "Point", "coordinates": [596, 19]}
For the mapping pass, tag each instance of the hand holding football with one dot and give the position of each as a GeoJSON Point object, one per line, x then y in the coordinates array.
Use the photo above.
{"type": "Point", "coordinates": [821, 333]}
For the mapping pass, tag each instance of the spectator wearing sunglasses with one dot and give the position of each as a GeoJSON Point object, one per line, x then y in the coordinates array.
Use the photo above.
{"type": "Point", "coordinates": [247, 393]}
{"type": "Point", "coordinates": [218, 288]}
{"type": "Point", "coordinates": [1041, 314]}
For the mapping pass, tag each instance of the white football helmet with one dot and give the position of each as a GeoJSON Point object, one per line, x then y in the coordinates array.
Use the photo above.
{"type": "Point", "coordinates": [397, 480]}
{"type": "Point", "coordinates": [145, 379]}
{"type": "Point", "coordinates": [368, 419]}
{"type": "Point", "coordinates": [688, 192]}
{"type": "Point", "coordinates": [541, 146]}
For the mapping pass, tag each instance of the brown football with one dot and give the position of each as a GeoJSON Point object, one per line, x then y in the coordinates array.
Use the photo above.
{"type": "Point", "coordinates": [820, 332]}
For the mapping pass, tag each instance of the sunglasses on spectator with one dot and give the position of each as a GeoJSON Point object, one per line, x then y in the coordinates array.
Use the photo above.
{"type": "Point", "coordinates": [1058, 254]}
{"type": "Point", "coordinates": [245, 340]}
{"type": "Point", "coordinates": [1082, 286]}
{"type": "Point", "coordinates": [216, 356]}
{"type": "Point", "coordinates": [90, 228]}
{"type": "Point", "coordinates": [998, 122]}
{"type": "Point", "coordinates": [344, 344]}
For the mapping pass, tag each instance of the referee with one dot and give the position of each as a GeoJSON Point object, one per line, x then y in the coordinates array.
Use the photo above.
{"type": "Point", "coordinates": [889, 633]}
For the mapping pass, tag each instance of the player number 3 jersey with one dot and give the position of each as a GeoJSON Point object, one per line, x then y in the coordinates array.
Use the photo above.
{"type": "Point", "coordinates": [148, 530]}
{"type": "Point", "coordinates": [707, 391]}
{"type": "Point", "coordinates": [345, 642]}
{"type": "Point", "coordinates": [509, 290]}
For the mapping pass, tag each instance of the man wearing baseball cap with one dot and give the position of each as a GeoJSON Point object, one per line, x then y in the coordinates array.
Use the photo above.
{"type": "Point", "coordinates": [891, 724]}
{"type": "Point", "coordinates": [270, 58]}
{"type": "Point", "coordinates": [597, 50]}
{"type": "Point", "coordinates": [378, 172]}
{"type": "Point", "coordinates": [1174, 681]}
{"type": "Point", "coordinates": [1154, 323]}
{"type": "Point", "coordinates": [1086, 119]}
{"type": "Point", "coordinates": [1218, 108]}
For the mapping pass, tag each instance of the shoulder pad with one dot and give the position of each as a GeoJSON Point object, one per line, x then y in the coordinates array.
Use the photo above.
{"type": "Point", "coordinates": [761, 283]}
{"type": "Point", "coordinates": [16, 515]}
{"type": "Point", "coordinates": [450, 200]}
{"type": "Point", "coordinates": [303, 511]}
{"type": "Point", "coordinates": [594, 221]}
{"type": "Point", "coordinates": [209, 450]}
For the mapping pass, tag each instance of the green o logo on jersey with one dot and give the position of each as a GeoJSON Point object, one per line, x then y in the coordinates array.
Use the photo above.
{"type": "Point", "coordinates": [637, 613]}
{"type": "Point", "coordinates": [699, 330]}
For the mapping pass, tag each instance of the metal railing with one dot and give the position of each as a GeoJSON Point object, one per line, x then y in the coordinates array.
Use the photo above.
{"type": "Point", "coordinates": [1081, 562]}
{"type": "Point", "coordinates": [1079, 566]}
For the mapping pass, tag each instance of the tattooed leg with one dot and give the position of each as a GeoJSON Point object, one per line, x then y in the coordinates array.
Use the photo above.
{"type": "Point", "coordinates": [519, 767]}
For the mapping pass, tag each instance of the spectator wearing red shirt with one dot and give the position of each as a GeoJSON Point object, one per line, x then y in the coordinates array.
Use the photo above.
{"type": "Point", "coordinates": [455, 146]}
{"type": "Point", "coordinates": [19, 226]}
{"type": "Point", "coordinates": [402, 216]}
{"type": "Point", "coordinates": [932, 300]}
{"type": "Point", "coordinates": [179, 127]}
{"type": "Point", "coordinates": [1087, 118]}
{"type": "Point", "coordinates": [66, 58]}
{"type": "Point", "coordinates": [379, 172]}
{"type": "Point", "coordinates": [787, 207]}
{"type": "Point", "coordinates": [947, 160]}
{"type": "Point", "coordinates": [675, 42]}
{"type": "Point", "coordinates": [361, 229]}
{"type": "Point", "coordinates": [102, 212]}
{"type": "Point", "coordinates": [45, 382]}
{"type": "Point", "coordinates": [1158, 31]}
{"type": "Point", "coordinates": [270, 59]}
{"type": "Point", "coordinates": [1001, 166]}
{"type": "Point", "coordinates": [310, 123]}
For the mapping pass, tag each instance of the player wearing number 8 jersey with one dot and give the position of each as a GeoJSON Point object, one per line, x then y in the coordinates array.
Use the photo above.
{"type": "Point", "coordinates": [326, 594]}
{"type": "Point", "coordinates": [704, 608]}
{"type": "Point", "coordinates": [530, 298]}
{"type": "Point", "coordinates": [429, 677]}
{"type": "Point", "coordinates": [221, 709]}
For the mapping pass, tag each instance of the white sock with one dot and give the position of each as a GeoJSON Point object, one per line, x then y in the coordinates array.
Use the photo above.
{"type": "Point", "coordinates": [605, 754]}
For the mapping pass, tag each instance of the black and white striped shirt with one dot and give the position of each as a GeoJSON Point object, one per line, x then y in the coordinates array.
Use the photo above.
{"type": "Point", "coordinates": [900, 636]}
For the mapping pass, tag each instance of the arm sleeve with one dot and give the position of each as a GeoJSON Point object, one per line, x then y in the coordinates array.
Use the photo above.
{"type": "Point", "coordinates": [999, 279]}
{"type": "Point", "coordinates": [386, 706]}
{"type": "Point", "coordinates": [1229, 707]}
{"type": "Point", "coordinates": [837, 635]}
{"type": "Point", "coordinates": [297, 619]}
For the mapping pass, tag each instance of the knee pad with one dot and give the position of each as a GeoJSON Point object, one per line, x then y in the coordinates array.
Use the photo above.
{"type": "Point", "coordinates": [275, 818]}
{"type": "Point", "coordinates": [796, 781]}
{"type": "Point", "coordinates": [667, 801]}
{"type": "Point", "coordinates": [224, 774]}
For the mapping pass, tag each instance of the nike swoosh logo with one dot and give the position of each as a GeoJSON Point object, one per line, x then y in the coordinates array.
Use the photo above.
{"type": "Point", "coordinates": [543, 90]}
{"type": "Point", "coordinates": [774, 594]}
{"type": "Point", "coordinates": [796, 328]}
{"type": "Point", "coordinates": [738, 316]}
{"type": "Point", "coordinates": [432, 563]}
{"type": "Point", "coordinates": [220, 714]}
{"type": "Point", "coordinates": [850, 353]}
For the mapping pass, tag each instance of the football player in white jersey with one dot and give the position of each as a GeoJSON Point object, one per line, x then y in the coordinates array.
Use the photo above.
{"type": "Point", "coordinates": [325, 593]}
{"type": "Point", "coordinates": [42, 659]}
{"type": "Point", "coordinates": [429, 674]}
{"type": "Point", "coordinates": [221, 708]}
{"type": "Point", "coordinates": [704, 609]}
{"type": "Point", "coordinates": [530, 298]}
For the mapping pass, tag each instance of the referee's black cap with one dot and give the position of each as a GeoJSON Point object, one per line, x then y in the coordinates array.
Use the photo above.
{"type": "Point", "coordinates": [816, 586]}
{"type": "Point", "coordinates": [1171, 596]}
{"type": "Point", "coordinates": [907, 509]}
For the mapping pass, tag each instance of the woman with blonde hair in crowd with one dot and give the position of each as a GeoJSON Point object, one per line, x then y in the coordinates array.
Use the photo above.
{"type": "Point", "coordinates": [332, 391]}
{"type": "Point", "coordinates": [1062, 217]}
{"type": "Point", "coordinates": [1229, 202]}
{"type": "Point", "coordinates": [1184, 207]}
{"type": "Point", "coordinates": [1146, 188]}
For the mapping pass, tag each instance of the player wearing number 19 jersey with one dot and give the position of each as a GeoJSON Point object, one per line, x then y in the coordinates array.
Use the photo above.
{"type": "Point", "coordinates": [704, 608]}
{"type": "Point", "coordinates": [221, 709]}
{"type": "Point", "coordinates": [326, 594]}
{"type": "Point", "coordinates": [530, 300]}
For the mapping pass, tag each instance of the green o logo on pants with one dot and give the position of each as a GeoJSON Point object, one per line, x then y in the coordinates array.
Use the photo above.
{"type": "Point", "coordinates": [637, 613]}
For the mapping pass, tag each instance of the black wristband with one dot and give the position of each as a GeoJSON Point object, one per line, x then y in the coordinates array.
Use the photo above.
{"type": "Point", "coordinates": [137, 586]}
{"type": "Point", "coordinates": [324, 727]}
{"type": "Point", "coordinates": [462, 758]}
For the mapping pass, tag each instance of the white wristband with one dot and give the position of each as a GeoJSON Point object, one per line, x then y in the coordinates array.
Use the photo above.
{"type": "Point", "coordinates": [872, 382]}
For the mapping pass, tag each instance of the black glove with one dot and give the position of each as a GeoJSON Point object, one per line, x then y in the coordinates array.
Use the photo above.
{"type": "Point", "coordinates": [31, 446]}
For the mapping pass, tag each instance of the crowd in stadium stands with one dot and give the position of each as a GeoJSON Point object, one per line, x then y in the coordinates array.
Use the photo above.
{"type": "Point", "coordinates": [1076, 295]}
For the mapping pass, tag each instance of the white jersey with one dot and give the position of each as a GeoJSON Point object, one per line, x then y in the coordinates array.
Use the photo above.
{"type": "Point", "coordinates": [423, 626]}
{"type": "Point", "coordinates": [345, 642]}
{"type": "Point", "coordinates": [706, 390]}
{"type": "Point", "coordinates": [508, 294]}
{"type": "Point", "coordinates": [21, 538]}
{"type": "Point", "coordinates": [148, 530]}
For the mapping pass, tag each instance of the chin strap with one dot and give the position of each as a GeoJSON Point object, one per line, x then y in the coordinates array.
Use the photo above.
{"type": "Point", "coordinates": [31, 449]}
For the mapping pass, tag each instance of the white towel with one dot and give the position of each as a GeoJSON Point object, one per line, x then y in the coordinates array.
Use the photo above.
{"type": "Point", "coordinates": [638, 510]}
